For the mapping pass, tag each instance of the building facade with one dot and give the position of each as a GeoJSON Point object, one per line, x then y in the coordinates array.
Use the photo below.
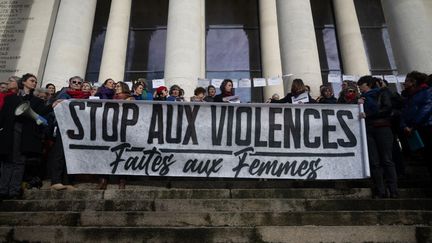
{"type": "Point", "coordinates": [184, 40]}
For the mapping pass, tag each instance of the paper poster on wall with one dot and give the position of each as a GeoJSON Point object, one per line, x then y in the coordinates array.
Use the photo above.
{"type": "Point", "coordinates": [391, 79]}
{"type": "Point", "coordinates": [158, 82]}
{"type": "Point", "coordinates": [203, 83]}
{"type": "Point", "coordinates": [259, 82]}
{"type": "Point", "coordinates": [334, 78]}
{"type": "Point", "coordinates": [216, 82]}
{"type": "Point", "coordinates": [274, 81]}
{"type": "Point", "coordinates": [378, 76]}
{"type": "Point", "coordinates": [350, 78]}
{"type": "Point", "coordinates": [245, 83]}
{"type": "Point", "coordinates": [235, 83]}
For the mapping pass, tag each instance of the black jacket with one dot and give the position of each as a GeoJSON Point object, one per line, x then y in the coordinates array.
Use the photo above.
{"type": "Point", "coordinates": [31, 136]}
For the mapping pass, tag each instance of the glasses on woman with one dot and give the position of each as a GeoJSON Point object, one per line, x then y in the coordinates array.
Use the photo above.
{"type": "Point", "coordinates": [76, 82]}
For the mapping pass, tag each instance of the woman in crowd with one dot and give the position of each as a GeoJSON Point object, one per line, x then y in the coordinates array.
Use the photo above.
{"type": "Point", "coordinates": [86, 87]}
{"type": "Point", "coordinates": [106, 91]}
{"type": "Point", "coordinates": [416, 113]}
{"type": "Point", "coordinates": [326, 95]}
{"type": "Point", "coordinates": [377, 111]}
{"type": "Point", "coordinates": [199, 95]}
{"type": "Point", "coordinates": [349, 95]}
{"type": "Point", "coordinates": [122, 92]}
{"type": "Point", "coordinates": [145, 95]}
{"type": "Point", "coordinates": [51, 92]}
{"type": "Point", "coordinates": [138, 89]}
{"type": "Point", "coordinates": [56, 159]}
{"type": "Point", "coordinates": [211, 93]}
{"type": "Point", "coordinates": [227, 91]}
{"type": "Point", "coordinates": [161, 93]}
{"type": "Point", "coordinates": [298, 89]}
{"type": "Point", "coordinates": [20, 136]}
{"type": "Point", "coordinates": [175, 93]}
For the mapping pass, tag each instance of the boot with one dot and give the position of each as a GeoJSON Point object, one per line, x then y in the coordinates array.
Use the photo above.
{"type": "Point", "coordinates": [122, 184]}
{"type": "Point", "coordinates": [103, 182]}
{"type": "Point", "coordinates": [58, 187]}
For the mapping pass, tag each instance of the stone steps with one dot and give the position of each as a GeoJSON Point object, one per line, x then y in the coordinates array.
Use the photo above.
{"type": "Point", "coordinates": [212, 183]}
{"type": "Point", "coordinates": [219, 234]}
{"type": "Point", "coordinates": [217, 205]}
{"type": "Point", "coordinates": [149, 193]}
{"type": "Point", "coordinates": [216, 219]}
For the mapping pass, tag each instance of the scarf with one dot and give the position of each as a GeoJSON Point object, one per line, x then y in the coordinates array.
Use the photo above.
{"type": "Point", "coordinates": [78, 94]}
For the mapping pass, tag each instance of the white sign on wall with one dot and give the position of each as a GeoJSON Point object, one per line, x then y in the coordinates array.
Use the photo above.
{"type": "Point", "coordinates": [213, 139]}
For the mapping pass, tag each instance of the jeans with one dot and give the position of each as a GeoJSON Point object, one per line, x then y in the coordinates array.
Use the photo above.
{"type": "Point", "coordinates": [380, 145]}
{"type": "Point", "coordinates": [13, 167]}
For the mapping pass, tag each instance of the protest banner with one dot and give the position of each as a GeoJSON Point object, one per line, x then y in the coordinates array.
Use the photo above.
{"type": "Point", "coordinates": [213, 139]}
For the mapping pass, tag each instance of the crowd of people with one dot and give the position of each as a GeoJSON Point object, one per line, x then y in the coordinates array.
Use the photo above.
{"type": "Point", "coordinates": [30, 152]}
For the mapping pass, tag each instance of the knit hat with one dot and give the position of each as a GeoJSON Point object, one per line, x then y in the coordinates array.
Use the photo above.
{"type": "Point", "coordinates": [160, 89]}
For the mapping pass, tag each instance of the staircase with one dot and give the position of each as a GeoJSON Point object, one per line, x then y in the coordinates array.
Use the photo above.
{"type": "Point", "coordinates": [214, 210]}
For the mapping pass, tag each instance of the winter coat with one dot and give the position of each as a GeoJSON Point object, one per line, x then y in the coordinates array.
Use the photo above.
{"type": "Point", "coordinates": [417, 109]}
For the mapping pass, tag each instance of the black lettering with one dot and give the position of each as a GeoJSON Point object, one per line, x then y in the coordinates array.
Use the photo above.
{"type": "Point", "coordinates": [93, 107]}
{"type": "Point", "coordinates": [177, 138]}
{"type": "Point", "coordinates": [128, 122]}
{"type": "Point", "coordinates": [114, 122]}
{"type": "Point", "coordinates": [230, 125]}
{"type": "Point", "coordinates": [352, 141]}
{"type": "Point", "coordinates": [238, 139]}
{"type": "Point", "coordinates": [274, 127]}
{"type": "Point", "coordinates": [157, 117]}
{"type": "Point", "coordinates": [71, 133]}
{"type": "Point", "coordinates": [291, 128]}
{"type": "Point", "coordinates": [191, 116]}
{"type": "Point", "coordinates": [326, 129]}
{"type": "Point", "coordinates": [307, 142]}
{"type": "Point", "coordinates": [217, 136]}
{"type": "Point", "coordinates": [258, 142]}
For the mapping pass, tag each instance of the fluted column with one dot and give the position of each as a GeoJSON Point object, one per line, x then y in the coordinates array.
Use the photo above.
{"type": "Point", "coordinates": [428, 6]}
{"type": "Point", "coordinates": [116, 41]}
{"type": "Point", "coordinates": [185, 40]}
{"type": "Point", "coordinates": [299, 51]}
{"type": "Point", "coordinates": [351, 45]}
{"type": "Point", "coordinates": [410, 32]}
{"type": "Point", "coordinates": [270, 52]}
{"type": "Point", "coordinates": [70, 44]}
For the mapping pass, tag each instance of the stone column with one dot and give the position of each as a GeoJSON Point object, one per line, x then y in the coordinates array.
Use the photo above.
{"type": "Point", "coordinates": [428, 6]}
{"type": "Point", "coordinates": [351, 44]}
{"type": "Point", "coordinates": [410, 31]}
{"type": "Point", "coordinates": [185, 40]}
{"type": "Point", "coordinates": [116, 41]}
{"type": "Point", "coordinates": [299, 51]}
{"type": "Point", "coordinates": [270, 52]}
{"type": "Point", "coordinates": [70, 43]}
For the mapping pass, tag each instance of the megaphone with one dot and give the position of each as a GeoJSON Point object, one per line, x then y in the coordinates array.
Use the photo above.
{"type": "Point", "coordinates": [25, 109]}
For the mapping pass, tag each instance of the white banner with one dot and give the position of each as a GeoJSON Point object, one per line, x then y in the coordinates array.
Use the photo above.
{"type": "Point", "coordinates": [213, 139]}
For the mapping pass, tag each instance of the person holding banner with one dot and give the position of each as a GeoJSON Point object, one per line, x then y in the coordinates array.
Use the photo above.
{"type": "Point", "coordinates": [20, 136]}
{"type": "Point", "coordinates": [377, 111]}
{"type": "Point", "coordinates": [106, 91]}
{"type": "Point", "coordinates": [211, 93]}
{"type": "Point", "coordinates": [327, 96]}
{"type": "Point", "coordinates": [199, 94]}
{"type": "Point", "coordinates": [161, 93]}
{"type": "Point", "coordinates": [298, 95]}
{"type": "Point", "coordinates": [416, 114]}
{"type": "Point", "coordinates": [227, 93]}
{"type": "Point", "coordinates": [349, 94]}
{"type": "Point", "coordinates": [175, 93]}
{"type": "Point", "coordinates": [56, 159]}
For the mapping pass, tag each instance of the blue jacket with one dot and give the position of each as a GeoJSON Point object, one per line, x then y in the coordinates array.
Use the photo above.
{"type": "Point", "coordinates": [418, 108]}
